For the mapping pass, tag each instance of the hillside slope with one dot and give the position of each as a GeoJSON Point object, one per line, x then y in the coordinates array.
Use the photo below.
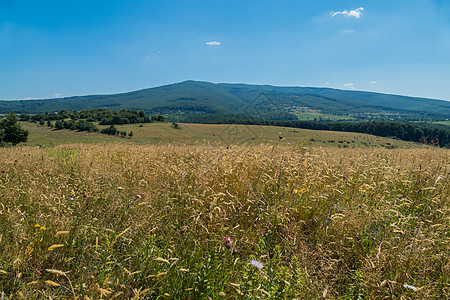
{"type": "Point", "coordinates": [190, 98]}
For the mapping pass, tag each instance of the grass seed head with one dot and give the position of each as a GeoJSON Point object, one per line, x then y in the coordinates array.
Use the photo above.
{"type": "Point", "coordinates": [52, 283]}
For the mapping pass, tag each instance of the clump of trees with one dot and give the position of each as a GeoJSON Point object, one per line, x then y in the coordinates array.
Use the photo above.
{"type": "Point", "coordinates": [11, 133]}
{"type": "Point", "coordinates": [112, 130]}
{"type": "Point", "coordinates": [102, 115]}
{"type": "Point", "coordinates": [80, 125]}
{"type": "Point", "coordinates": [83, 120]}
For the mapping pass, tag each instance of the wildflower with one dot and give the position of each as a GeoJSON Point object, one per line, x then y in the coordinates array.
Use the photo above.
{"type": "Point", "coordinates": [228, 242]}
{"type": "Point", "coordinates": [37, 226]}
{"type": "Point", "coordinates": [257, 264]}
{"type": "Point", "coordinates": [72, 198]}
{"type": "Point", "coordinates": [399, 196]}
{"type": "Point", "coordinates": [439, 178]}
{"type": "Point", "coordinates": [42, 228]}
{"type": "Point", "coordinates": [407, 286]}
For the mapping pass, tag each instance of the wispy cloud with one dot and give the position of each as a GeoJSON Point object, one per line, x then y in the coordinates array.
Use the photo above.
{"type": "Point", "coordinates": [350, 86]}
{"type": "Point", "coordinates": [213, 43]}
{"type": "Point", "coordinates": [355, 13]}
{"type": "Point", "coordinates": [374, 82]}
{"type": "Point", "coordinates": [347, 31]}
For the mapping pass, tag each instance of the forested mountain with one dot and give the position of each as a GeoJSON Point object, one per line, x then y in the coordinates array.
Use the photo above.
{"type": "Point", "coordinates": [208, 101]}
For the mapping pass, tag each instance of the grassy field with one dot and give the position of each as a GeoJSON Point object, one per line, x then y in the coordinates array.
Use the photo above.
{"type": "Point", "coordinates": [447, 123]}
{"type": "Point", "coordinates": [118, 221]}
{"type": "Point", "coordinates": [225, 135]}
{"type": "Point", "coordinates": [320, 116]}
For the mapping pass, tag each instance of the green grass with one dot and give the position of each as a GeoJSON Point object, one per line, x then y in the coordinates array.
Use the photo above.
{"type": "Point", "coordinates": [227, 135]}
{"type": "Point", "coordinates": [447, 123]}
{"type": "Point", "coordinates": [321, 117]}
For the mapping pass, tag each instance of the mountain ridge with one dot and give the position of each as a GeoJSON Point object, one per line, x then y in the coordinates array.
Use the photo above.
{"type": "Point", "coordinates": [205, 98]}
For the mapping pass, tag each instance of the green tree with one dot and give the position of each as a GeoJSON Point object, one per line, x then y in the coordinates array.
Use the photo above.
{"type": "Point", "coordinates": [59, 125]}
{"type": "Point", "coordinates": [24, 117]}
{"type": "Point", "coordinates": [11, 132]}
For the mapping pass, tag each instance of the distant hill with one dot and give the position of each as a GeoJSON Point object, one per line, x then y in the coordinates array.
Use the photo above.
{"type": "Point", "coordinates": [191, 100]}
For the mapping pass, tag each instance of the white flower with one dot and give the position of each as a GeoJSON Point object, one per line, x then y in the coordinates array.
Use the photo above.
{"type": "Point", "coordinates": [439, 178]}
{"type": "Point", "coordinates": [410, 287]}
{"type": "Point", "coordinates": [257, 264]}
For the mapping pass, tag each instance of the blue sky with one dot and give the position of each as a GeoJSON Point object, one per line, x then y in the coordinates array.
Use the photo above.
{"type": "Point", "coordinates": [54, 48]}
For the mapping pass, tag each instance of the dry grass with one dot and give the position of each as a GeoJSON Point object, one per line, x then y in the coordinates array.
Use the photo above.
{"type": "Point", "coordinates": [145, 222]}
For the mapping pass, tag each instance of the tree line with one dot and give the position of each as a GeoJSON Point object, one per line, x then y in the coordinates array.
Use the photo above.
{"type": "Point", "coordinates": [83, 120]}
{"type": "Point", "coordinates": [104, 116]}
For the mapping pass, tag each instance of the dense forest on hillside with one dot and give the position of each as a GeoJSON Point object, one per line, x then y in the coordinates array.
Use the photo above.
{"type": "Point", "coordinates": [193, 99]}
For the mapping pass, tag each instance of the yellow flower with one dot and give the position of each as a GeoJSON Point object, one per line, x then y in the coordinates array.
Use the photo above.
{"type": "Point", "coordinates": [42, 228]}
{"type": "Point", "coordinates": [37, 226]}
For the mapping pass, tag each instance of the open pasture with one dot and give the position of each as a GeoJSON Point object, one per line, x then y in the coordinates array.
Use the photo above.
{"type": "Point", "coordinates": [213, 134]}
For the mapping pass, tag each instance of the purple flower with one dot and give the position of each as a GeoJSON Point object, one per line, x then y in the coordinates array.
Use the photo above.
{"type": "Point", "coordinates": [257, 264]}
{"type": "Point", "coordinates": [399, 196]}
{"type": "Point", "coordinates": [72, 198]}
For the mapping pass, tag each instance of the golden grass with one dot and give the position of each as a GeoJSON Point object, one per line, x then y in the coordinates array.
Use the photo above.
{"type": "Point", "coordinates": [185, 222]}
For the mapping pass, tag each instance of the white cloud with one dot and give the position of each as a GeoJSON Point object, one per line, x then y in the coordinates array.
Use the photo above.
{"type": "Point", "coordinates": [373, 82]}
{"type": "Point", "coordinates": [213, 43]}
{"type": "Point", "coordinates": [349, 86]}
{"type": "Point", "coordinates": [57, 95]}
{"type": "Point", "coordinates": [355, 13]}
{"type": "Point", "coordinates": [348, 31]}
